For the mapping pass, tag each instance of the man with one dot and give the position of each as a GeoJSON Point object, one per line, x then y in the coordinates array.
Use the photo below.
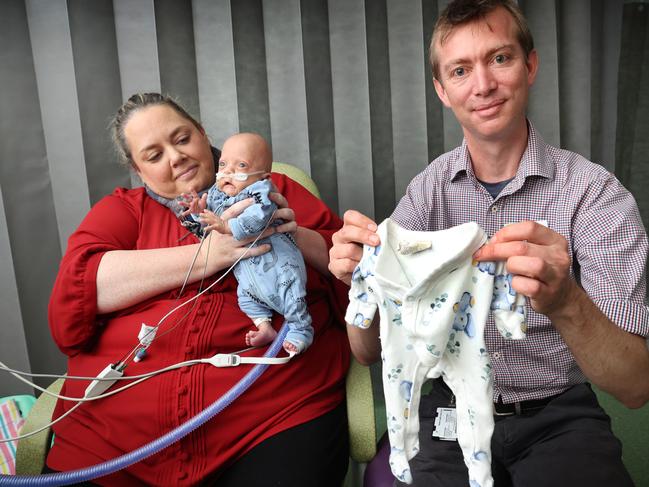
{"type": "Point", "coordinates": [583, 275]}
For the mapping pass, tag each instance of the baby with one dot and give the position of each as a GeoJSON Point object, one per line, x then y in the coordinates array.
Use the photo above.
{"type": "Point", "coordinates": [275, 280]}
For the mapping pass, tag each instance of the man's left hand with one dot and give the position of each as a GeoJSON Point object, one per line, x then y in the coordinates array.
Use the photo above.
{"type": "Point", "coordinates": [539, 260]}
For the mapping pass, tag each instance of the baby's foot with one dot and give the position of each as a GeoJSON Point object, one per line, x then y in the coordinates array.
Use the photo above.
{"type": "Point", "coordinates": [263, 335]}
{"type": "Point", "coordinates": [290, 348]}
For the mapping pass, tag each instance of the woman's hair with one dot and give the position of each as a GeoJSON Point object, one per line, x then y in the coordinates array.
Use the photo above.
{"type": "Point", "coordinates": [461, 12]}
{"type": "Point", "coordinates": [133, 104]}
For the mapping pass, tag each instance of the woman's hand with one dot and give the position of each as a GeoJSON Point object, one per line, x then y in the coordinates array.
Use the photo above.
{"type": "Point", "coordinates": [311, 243]}
{"type": "Point", "coordinates": [286, 214]}
{"type": "Point", "coordinates": [221, 250]}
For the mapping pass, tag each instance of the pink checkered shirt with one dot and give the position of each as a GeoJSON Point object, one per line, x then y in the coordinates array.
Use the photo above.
{"type": "Point", "coordinates": [580, 200]}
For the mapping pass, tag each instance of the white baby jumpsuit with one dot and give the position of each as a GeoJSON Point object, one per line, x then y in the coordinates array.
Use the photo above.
{"type": "Point", "coordinates": [433, 300]}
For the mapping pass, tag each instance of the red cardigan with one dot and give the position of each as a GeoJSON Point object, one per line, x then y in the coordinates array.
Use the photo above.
{"type": "Point", "coordinates": [284, 396]}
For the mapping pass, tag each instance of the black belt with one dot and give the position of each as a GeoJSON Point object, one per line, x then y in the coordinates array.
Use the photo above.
{"type": "Point", "coordinates": [522, 407]}
{"type": "Point", "coordinates": [500, 409]}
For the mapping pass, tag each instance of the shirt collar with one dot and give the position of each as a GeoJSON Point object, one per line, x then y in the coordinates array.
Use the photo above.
{"type": "Point", "coordinates": [535, 160]}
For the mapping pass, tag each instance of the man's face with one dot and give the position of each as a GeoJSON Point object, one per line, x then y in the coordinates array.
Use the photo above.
{"type": "Point", "coordinates": [485, 77]}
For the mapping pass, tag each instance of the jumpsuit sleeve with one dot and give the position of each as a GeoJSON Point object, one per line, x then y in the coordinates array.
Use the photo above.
{"type": "Point", "coordinates": [252, 221]}
{"type": "Point", "coordinates": [508, 307]}
{"type": "Point", "coordinates": [362, 298]}
{"type": "Point", "coordinates": [112, 224]}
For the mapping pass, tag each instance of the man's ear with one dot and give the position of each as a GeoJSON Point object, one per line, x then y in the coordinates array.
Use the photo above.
{"type": "Point", "coordinates": [532, 64]}
{"type": "Point", "coordinates": [441, 92]}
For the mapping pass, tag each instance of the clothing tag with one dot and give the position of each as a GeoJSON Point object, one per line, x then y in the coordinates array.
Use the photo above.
{"type": "Point", "coordinates": [406, 247]}
{"type": "Point", "coordinates": [445, 425]}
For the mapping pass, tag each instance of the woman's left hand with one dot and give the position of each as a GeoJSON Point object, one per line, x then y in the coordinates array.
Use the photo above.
{"type": "Point", "coordinates": [286, 214]}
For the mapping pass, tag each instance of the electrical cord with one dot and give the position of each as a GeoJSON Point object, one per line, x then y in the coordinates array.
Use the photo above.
{"type": "Point", "coordinates": [217, 360]}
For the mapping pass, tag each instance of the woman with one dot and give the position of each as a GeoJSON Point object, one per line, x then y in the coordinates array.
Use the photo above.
{"type": "Point", "coordinates": [125, 265]}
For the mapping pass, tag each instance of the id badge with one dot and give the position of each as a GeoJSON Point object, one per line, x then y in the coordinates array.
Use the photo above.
{"type": "Point", "coordinates": [445, 424]}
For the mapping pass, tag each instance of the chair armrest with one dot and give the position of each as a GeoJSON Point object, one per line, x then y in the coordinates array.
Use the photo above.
{"type": "Point", "coordinates": [297, 175]}
{"type": "Point", "coordinates": [360, 413]}
{"type": "Point", "coordinates": [31, 452]}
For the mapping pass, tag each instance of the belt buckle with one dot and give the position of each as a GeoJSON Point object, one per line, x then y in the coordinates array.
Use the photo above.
{"type": "Point", "coordinates": [518, 410]}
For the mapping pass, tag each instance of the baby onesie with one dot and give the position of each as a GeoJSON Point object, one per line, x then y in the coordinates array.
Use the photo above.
{"type": "Point", "coordinates": [275, 280]}
{"type": "Point", "coordinates": [433, 300]}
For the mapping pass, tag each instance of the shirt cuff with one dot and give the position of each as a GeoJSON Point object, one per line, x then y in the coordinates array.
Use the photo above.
{"type": "Point", "coordinates": [630, 316]}
{"type": "Point", "coordinates": [360, 314]}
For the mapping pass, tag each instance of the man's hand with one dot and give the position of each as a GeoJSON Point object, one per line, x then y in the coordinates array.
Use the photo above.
{"type": "Point", "coordinates": [539, 259]}
{"type": "Point", "coordinates": [347, 249]}
{"type": "Point", "coordinates": [613, 359]}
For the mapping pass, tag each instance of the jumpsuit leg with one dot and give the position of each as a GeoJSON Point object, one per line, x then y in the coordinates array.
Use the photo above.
{"type": "Point", "coordinates": [249, 303]}
{"type": "Point", "coordinates": [290, 286]}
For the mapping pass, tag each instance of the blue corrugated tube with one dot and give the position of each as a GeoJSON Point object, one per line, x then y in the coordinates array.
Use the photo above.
{"type": "Point", "coordinates": [111, 466]}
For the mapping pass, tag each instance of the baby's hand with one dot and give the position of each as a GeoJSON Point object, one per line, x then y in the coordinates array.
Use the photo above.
{"type": "Point", "coordinates": [193, 203]}
{"type": "Point", "coordinates": [214, 222]}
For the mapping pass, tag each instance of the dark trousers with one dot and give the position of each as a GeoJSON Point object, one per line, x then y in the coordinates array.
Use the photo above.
{"type": "Point", "coordinates": [314, 454]}
{"type": "Point", "coordinates": [311, 454]}
{"type": "Point", "coordinates": [568, 443]}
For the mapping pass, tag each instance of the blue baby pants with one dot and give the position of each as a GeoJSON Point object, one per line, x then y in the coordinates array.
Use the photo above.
{"type": "Point", "coordinates": [272, 281]}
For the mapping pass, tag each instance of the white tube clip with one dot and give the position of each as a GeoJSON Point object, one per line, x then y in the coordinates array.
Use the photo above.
{"type": "Point", "coordinates": [232, 360]}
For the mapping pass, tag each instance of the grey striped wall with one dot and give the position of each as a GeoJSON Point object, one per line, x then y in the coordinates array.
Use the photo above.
{"type": "Point", "coordinates": [341, 88]}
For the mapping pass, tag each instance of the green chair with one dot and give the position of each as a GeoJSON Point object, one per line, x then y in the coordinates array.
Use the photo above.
{"type": "Point", "coordinates": [364, 433]}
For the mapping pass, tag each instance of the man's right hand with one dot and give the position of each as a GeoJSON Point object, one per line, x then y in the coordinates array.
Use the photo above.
{"type": "Point", "coordinates": [347, 249]}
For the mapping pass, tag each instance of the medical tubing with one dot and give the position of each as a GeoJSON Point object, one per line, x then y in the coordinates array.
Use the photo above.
{"type": "Point", "coordinates": [112, 466]}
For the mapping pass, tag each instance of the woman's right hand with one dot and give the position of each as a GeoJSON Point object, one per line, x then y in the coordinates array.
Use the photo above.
{"type": "Point", "coordinates": [221, 250]}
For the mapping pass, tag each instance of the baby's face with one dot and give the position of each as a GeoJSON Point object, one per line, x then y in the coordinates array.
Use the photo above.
{"type": "Point", "coordinates": [237, 157]}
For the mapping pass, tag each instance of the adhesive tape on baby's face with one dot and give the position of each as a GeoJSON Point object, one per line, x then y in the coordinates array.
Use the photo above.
{"type": "Point", "coordinates": [237, 176]}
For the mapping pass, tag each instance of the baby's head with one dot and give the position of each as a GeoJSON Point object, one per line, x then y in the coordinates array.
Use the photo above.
{"type": "Point", "coordinates": [244, 153]}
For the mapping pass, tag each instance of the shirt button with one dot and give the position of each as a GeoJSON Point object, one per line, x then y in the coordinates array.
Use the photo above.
{"type": "Point", "coordinates": [189, 349]}
{"type": "Point", "coordinates": [494, 209]}
{"type": "Point", "coordinates": [184, 456]}
{"type": "Point", "coordinates": [193, 329]}
{"type": "Point", "coordinates": [182, 412]}
{"type": "Point", "coordinates": [182, 475]}
{"type": "Point", "coordinates": [495, 355]}
{"type": "Point", "coordinates": [183, 390]}
{"type": "Point", "coordinates": [184, 369]}
{"type": "Point", "coordinates": [200, 312]}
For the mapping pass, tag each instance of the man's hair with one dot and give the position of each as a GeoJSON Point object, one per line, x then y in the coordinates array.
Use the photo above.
{"type": "Point", "coordinates": [460, 12]}
{"type": "Point", "coordinates": [135, 103]}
